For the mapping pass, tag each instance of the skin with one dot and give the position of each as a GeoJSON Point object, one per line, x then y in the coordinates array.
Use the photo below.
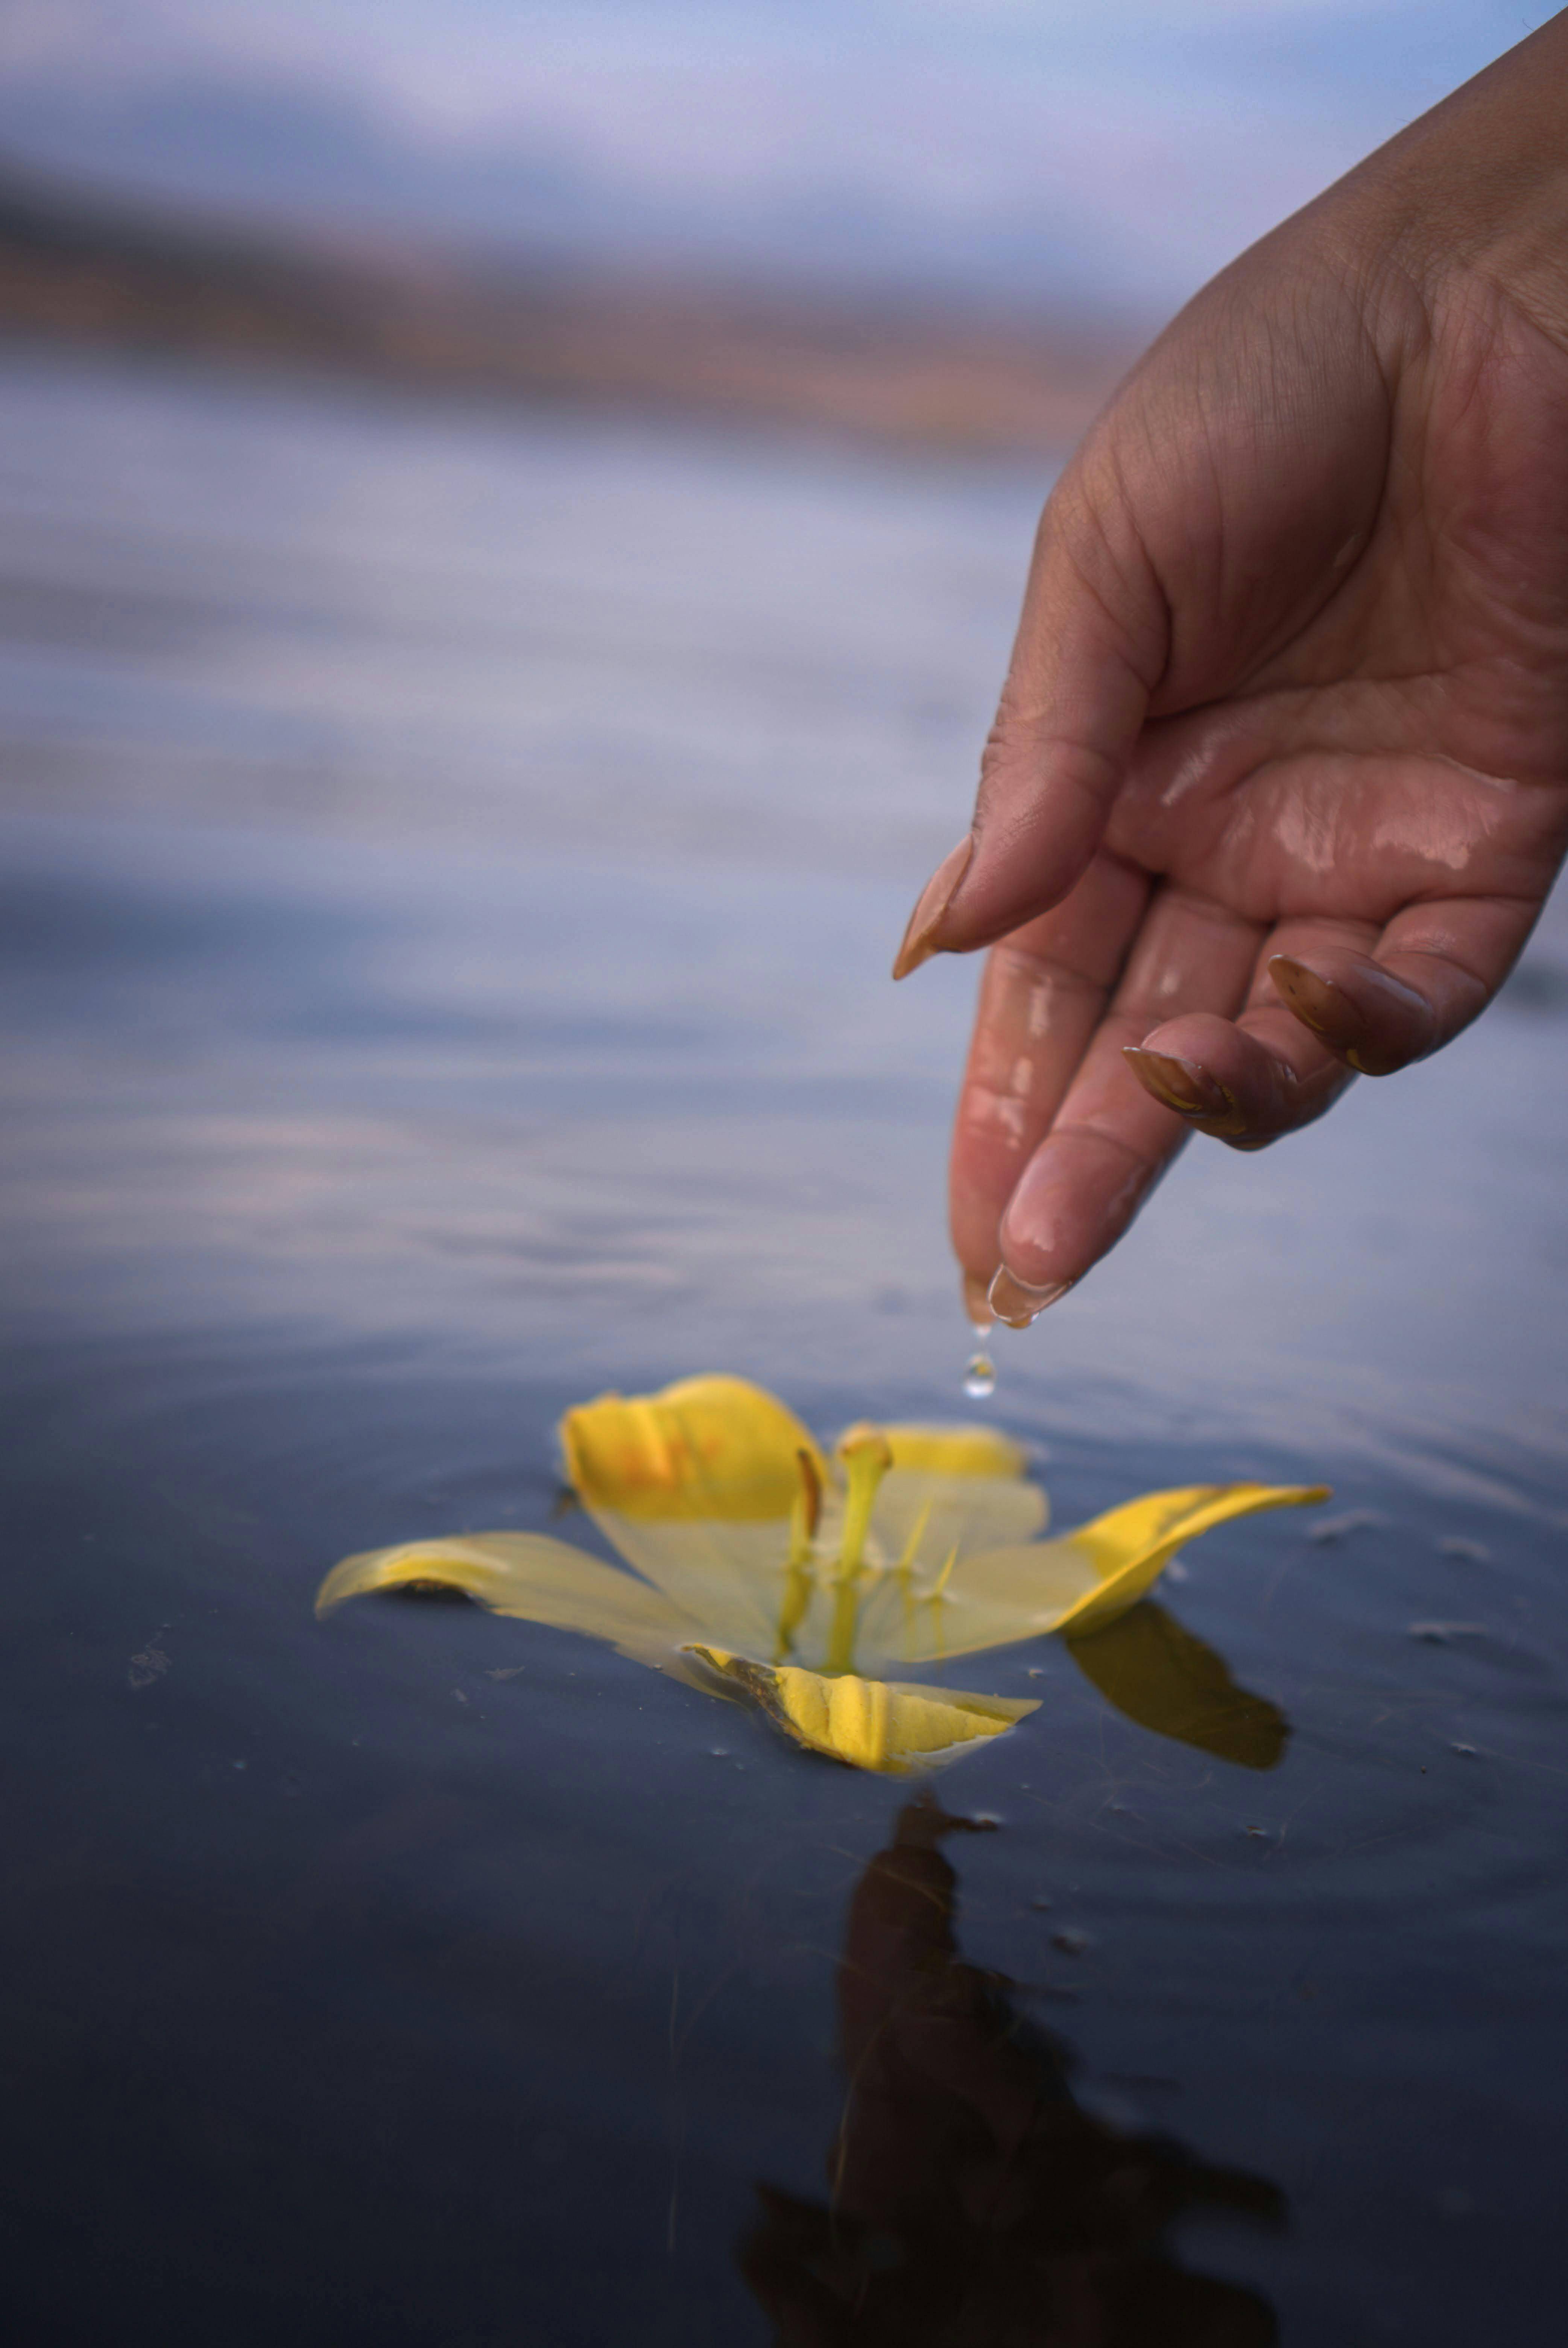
{"type": "Point", "coordinates": [1291, 680]}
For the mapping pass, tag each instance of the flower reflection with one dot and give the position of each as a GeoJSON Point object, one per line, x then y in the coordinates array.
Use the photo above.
{"type": "Point", "coordinates": [763, 1570]}
{"type": "Point", "coordinates": [1156, 1672]}
{"type": "Point", "coordinates": [972, 2199]}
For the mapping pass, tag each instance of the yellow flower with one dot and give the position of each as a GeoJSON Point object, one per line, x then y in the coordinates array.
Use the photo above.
{"type": "Point", "coordinates": [761, 1570]}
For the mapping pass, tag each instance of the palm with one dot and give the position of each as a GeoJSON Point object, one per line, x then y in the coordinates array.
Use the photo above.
{"type": "Point", "coordinates": [1348, 619]}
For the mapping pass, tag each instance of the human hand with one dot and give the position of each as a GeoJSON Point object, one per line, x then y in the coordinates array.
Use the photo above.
{"type": "Point", "coordinates": [1279, 778]}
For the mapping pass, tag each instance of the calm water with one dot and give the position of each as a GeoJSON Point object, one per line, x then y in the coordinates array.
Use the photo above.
{"type": "Point", "coordinates": [450, 867]}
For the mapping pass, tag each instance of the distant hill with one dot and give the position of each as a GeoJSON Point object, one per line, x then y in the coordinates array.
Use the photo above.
{"type": "Point", "coordinates": [83, 270]}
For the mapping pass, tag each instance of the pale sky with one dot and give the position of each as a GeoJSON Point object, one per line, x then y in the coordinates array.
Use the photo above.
{"type": "Point", "coordinates": [1129, 146]}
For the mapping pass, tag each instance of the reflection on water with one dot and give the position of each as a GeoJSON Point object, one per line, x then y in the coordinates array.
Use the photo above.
{"type": "Point", "coordinates": [972, 2199]}
{"type": "Point", "coordinates": [1166, 1678]}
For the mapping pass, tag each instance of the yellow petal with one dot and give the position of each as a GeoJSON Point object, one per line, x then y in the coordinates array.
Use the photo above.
{"type": "Point", "coordinates": [531, 1577]}
{"type": "Point", "coordinates": [1080, 1581]}
{"type": "Point", "coordinates": [956, 1451]}
{"type": "Point", "coordinates": [696, 1487]}
{"type": "Point", "coordinates": [1130, 1547]}
{"type": "Point", "coordinates": [1154, 1669]}
{"type": "Point", "coordinates": [871, 1723]}
{"type": "Point", "coordinates": [709, 1448]}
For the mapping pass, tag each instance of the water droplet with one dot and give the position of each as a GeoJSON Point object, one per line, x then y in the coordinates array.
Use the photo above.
{"type": "Point", "coordinates": [980, 1377]}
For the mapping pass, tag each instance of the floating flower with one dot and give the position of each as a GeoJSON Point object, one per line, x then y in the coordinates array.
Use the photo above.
{"type": "Point", "coordinates": [762, 1570]}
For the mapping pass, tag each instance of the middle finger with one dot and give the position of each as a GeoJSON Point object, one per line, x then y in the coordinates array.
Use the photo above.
{"type": "Point", "coordinates": [1109, 1142]}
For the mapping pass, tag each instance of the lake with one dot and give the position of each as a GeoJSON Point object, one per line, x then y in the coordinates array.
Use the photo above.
{"type": "Point", "coordinates": [451, 862]}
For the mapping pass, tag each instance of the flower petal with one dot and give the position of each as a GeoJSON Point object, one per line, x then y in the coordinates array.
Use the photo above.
{"type": "Point", "coordinates": [953, 1488]}
{"type": "Point", "coordinates": [695, 1486]}
{"type": "Point", "coordinates": [956, 1450]}
{"type": "Point", "coordinates": [1158, 1673]}
{"type": "Point", "coordinates": [1081, 1581]}
{"type": "Point", "coordinates": [533, 1577]}
{"type": "Point", "coordinates": [870, 1724]}
{"type": "Point", "coordinates": [1130, 1547]}
{"type": "Point", "coordinates": [714, 1448]}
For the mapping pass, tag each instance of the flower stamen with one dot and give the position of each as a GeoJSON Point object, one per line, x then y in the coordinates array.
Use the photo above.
{"type": "Point", "coordinates": [906, 1565]}
{"type": "Point", "coordinates": [806, 1513]}
{"type": "Point", "coordinates": [868, 1456]}
{"type": "Point", "coordinates": [941, 1581]}
{"type": "Point", "coordinates": [799, 1577]}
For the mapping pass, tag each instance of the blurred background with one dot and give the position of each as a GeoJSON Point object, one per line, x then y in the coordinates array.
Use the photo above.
{"type": "Point", "coordinates": [950, 219]}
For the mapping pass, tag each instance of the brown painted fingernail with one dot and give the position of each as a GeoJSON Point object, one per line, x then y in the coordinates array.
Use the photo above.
{"type": "Point", "coordinates": [1176, 1084]}
{"type": "Point", "coordinates": [1186, 1087]}
{"type": "Point", "coordinates": [976, 1301]}
{"type": "Point", "coordinates": [1017, 1304]}
{"type": "Point", "coordinates": [1316, 1001]}
{"type": "Point", "coordinates": [1325, 1007]}
{"type": "Point", "coordinates": [922, 938]}
{"type": "Point", "coordinates": [1322, 1006]}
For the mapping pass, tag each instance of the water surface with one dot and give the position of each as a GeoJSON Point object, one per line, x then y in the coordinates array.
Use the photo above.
{"type": "Point", "coordinates": [450, 867]}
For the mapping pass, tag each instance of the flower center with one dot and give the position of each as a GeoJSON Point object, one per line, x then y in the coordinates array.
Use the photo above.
{"type": "Point", "coordinates": [866, 1454]}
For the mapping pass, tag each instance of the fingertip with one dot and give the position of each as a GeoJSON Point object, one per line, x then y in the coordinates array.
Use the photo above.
{"type": "Point", "coordinates": [1076, 1196]}
{"type": "Point", "coordinates": [977, 1289]}
{"type": "Point", "coordinates": [924, 936]}
{"type": "Point", "coordinates": [1017, 1303]}
{"type": "Point", "coordinates": [1243, 1082]}
{"type": "Point", "coordinates": [1035, 837]}
{"type": "Point", "coordinates": [1365, 1015]}
{"type": "Point", "coordinates": [1189, 1088]}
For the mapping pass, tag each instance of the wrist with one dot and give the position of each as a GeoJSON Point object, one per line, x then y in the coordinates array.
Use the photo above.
{"type": "Point", "coordinates": [1476, 189]}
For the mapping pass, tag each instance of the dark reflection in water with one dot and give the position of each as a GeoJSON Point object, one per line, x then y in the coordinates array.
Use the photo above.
{"type": "Point", "coordinates": [973, 2200]}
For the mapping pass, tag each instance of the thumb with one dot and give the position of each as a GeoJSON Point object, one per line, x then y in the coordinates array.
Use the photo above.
{"type": "Point", "coordinates": [1091, 645]}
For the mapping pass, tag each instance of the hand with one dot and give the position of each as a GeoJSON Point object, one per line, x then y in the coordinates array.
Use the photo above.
{"type": "Point", "coordinates": [1279, 779]}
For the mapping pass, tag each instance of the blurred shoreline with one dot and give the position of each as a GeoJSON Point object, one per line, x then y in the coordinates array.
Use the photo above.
{"type": "Point", "coordinates": [80, 270]}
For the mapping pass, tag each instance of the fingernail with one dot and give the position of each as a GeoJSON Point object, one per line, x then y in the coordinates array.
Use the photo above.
{"type": "Point", "coordinates": [977, 1303]}
{"type": "Point", "coordinates": [1316, 1001]}
{"type": "Point", "coordinates": [1186, 1087]}
{"type": "Point", "coordinates": [1180, 1084]}
{"type": "Point", "coordinates": [1014, 1302]}
{"type": "Point", "coordinates": [921, 938]}
{"type": "Point", "coordinates": [1325, 1007]}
